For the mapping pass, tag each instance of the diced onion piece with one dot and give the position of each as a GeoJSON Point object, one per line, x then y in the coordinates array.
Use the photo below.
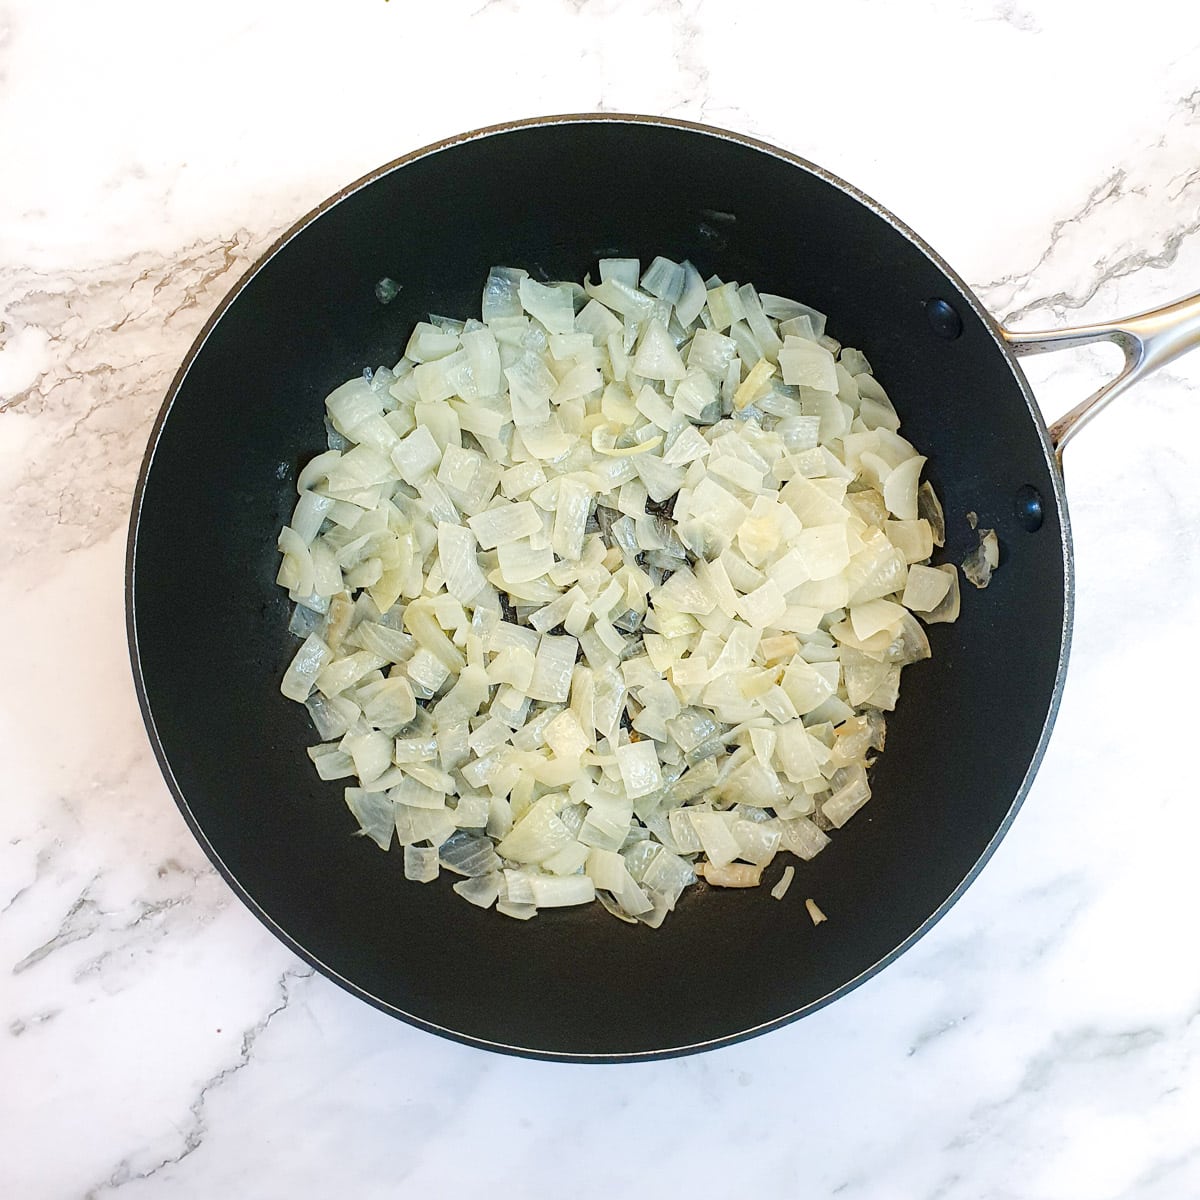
{"type": "Point", "coordinates": [567, 861]}
{"type": "Point", "coordinates": [914, 539]}
{"type": "Point", "coordinates": [640, 770]}
{"type": "Point", "coordinates": [420, 863]}
{"type": "Point", "coordinates": [844, 803]}
{"type": "Point", "coordinates": [460, 567]}
{"type": "Point", "coordinates": [466, 853]}
{"type": "Point", "coordinates": [657, 357]}
{"type": "Point", "coordinates": [755, 385]}
{"type": "Point", "coordinates": [559, 891]}
{"type": "Point", "coordinates": [566, 737]}
{"type": "Point", "coordinates": [552, 668]}
{"type": "Point", "coordinates": [501, 293]}
{"type": "Point", "coordinates": [607, 823]}
{"type": "Point", "coordinates": [624, 271]}
{"type": "Point", "coordinates": [375, 813]}
{"type": "Point", "coordinates": [807, 364]}
{"type": "Point", "coordinates": [979, 564]}
{"type": "Point", "coordinates": [519, 912]}
{"type": "Point", "coordinates": [763, 606]}
{"type": "Point", "coordinates": [715, 837]}
{"type": "Point", "coordinates": [551, 305]}
{"type": "Point", "coordinates": [416, 455]}
{"type": "Point", "coordinates": [665, 280]}
{"type": "Point", "coordinates": [692, 301]}
{"type": "Point", "coordinates": [311, 659]}
{"type": "Point", "coordinates": [874, 616]}
{"type": "Point", "coordinates": [481, 892]}
{"type": "Point", "coordinates": [785, 882]}
{"type": "Point", "coordinates": [505, 523]}
{"type": "Point", "coordinates": [731, 875]}
{"type": "Point", "coordinates": [929, 508]}
{"type": "Point", "coordinates": [814, 912]}
{"type": "Point", "coordinates": [948, 609]}
{"type": "Point", "coordinates": [725, 306]}
{"type": "Point", "coordinates": [538, 835]}
{"type": "Point", "coordinates": [926, 588]}
{"type": "Point", "coordinates": [803, 838]}
{"type": "Point", "coordinates": [604, 441]}
{"type": "Point", "coordinates": [522, 562]}
{"type": "Point", "coordinates": [570, 518]}
{"type": "Point", "coordinates": [900, 488]}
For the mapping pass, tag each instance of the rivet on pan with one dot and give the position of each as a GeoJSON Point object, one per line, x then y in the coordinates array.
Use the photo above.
{"type": "Point", "coordinates": [1027, 504]}
{"type": "Point", "coordinates": [943, 319]}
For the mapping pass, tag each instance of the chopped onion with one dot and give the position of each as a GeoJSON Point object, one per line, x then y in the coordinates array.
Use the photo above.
{"type": "Point", "coordinates": [595, 603]}
{"type": "Point", "coordinates": [929, 507]}
{"type": "Point", "coordinates": [983, 560]}
{"type": "Point", "coordinates": [948, 609]}
{"type": "Point", "coordinates": [552, 306]}
{"type": "Point", "coordinates": [731, 875]}
{"type": "Point", "coordinates": [501, 294]}
{"type": "Point", "coordinates": [420, 863]}
{"type": "Point", "coordinates": [664, 279]}
{"type": "Point", "coordinates": [375, 813]}
{"type": "Point", "coordinates": [900, 488]}
{"type": "Point", "coordinates": [691, 303]}
{"type": "Point", "coordinates": [785, 882]}
{"type": "Point", "coordinates": [558, 891]}
{"type": "Point", "coordinates": [926, 588]}
{"type": "Point", "coordinates": [311, 659]}
{"type": "Point", "coordinates": [804, 839]}
{"type": "Point", "coordinates": [481, 892]}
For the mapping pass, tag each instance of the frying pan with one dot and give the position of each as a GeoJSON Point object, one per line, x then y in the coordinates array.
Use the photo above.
{"type": "Point", "coordinates": [207, 625]}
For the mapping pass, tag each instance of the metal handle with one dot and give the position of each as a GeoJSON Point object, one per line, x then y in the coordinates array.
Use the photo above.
{"type": "Point", "coordinates": [1148, 341]}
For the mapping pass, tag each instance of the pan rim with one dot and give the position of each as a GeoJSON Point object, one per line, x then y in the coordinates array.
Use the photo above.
{"type": "Point", "coordinates": [176, 384]}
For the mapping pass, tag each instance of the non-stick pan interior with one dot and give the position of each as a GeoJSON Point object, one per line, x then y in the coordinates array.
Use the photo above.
{"type": "Point", "coordinates": [209, 625]}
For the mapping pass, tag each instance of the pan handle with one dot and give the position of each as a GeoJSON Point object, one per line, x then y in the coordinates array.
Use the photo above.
{"type": "Point", "coordinates": [1149, 340]}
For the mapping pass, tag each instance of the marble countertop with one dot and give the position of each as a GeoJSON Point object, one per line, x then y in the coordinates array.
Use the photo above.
{"type": "Point", "coordinates": [1041, 1043]}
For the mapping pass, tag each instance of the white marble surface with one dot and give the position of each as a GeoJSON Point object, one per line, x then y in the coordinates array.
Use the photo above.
{"type": "Point", "coordinates": [1042, 1043]}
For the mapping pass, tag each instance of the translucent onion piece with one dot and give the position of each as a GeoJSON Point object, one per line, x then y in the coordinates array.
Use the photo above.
{"type": "Point", "coordinates": [802, 838]}
{"type": "Point", "coordinates": [731, 875]}
{"type": "Point", "coordinates": [692, 301]}
{"type": "Point", "coordinates": [716, 837]}
{"type": "Point", "coordinates": [536, 836]}
{"type": "Point", "coordinates": [552, 306]}
{"type": "Point", "coordinates": [926, 588]}
{"type": "Point", "coordinates": [930, 509]}
{"type": "Point", "coordinates": [979, 564]}
{"type": "Point", "coordinates": [501, 293]}
{"type": "Point", "coordinates": [457, 557]}
{"type": "Point", "coordinates": [948, 609]}
{"type": "Point", "coordinates": [657, 357]}
{"type": "Point", "coordinates": [551, 891]}
{"type": "Point", "coordinates": [785, 882]}
{"type": "Point", "coordinates": [900, 489]}
{"type": "Point", "coordinates": [640, 769]}
{"type": "Point", "coordinates": [375, 813]}
{"type": "Point", "coordinates": [420, 863]}
{"type": "Point", "coordinates": [481, 892]}
{"type": "Point", "coordinates": [311, 659]}
{"type": "Point", "coordinates": [468, 855]}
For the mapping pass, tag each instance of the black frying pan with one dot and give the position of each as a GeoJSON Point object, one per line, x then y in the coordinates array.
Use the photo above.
{"type": "Point", "coordinates": [207, 625]}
